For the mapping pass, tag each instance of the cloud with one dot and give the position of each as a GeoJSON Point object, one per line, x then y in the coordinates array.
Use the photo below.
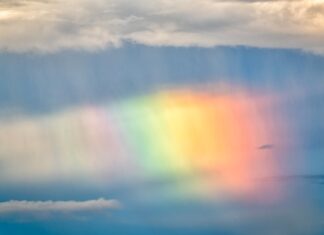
{"type": "Point", "coordinates": [10, 207]}
{"type": "Point", "coordinates": [53, 25]}
{"type": "Point", "coordinates": [266, 146]}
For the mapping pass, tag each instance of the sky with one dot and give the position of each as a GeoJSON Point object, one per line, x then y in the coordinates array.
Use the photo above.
{"type": "Point", "coordinates": [161, 117]}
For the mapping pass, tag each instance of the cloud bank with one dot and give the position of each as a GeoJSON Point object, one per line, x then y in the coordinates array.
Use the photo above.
{"type": "Point", "coordinates": [56, 206]}
{"type": "Point", "coordinates": [54, 25]}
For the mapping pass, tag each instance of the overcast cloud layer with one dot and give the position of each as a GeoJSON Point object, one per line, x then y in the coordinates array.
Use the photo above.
{"type": "Point", "coordinates": [53, 25]}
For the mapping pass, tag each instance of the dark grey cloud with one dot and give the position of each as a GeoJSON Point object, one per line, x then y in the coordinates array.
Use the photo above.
{"type": "Point", "coordinates": [266, 146]}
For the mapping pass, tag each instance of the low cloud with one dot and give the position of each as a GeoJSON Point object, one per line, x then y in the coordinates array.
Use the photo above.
{"type": "Point", "coordinates": [53, 25]}
{"type": "Point", "coordinates": [12, 207]}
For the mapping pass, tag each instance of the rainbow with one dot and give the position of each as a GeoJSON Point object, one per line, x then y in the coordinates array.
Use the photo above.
{"type": "Point", "coordinates": [176, 133]}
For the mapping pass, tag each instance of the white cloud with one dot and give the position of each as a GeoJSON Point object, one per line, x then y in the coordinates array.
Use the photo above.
{"type": "Point", "coordinates": [94, 24]}
{"type": "Point", "coordinates": [56, 206]}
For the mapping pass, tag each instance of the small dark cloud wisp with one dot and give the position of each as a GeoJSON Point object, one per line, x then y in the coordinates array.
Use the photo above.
{"type": "Point", "coordinates": [266, 146]}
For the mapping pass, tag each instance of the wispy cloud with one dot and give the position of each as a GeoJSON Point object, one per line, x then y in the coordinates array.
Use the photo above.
{"type": "Point", "coordinates": [13, 206]}
{"type": "Point", "coordinates": [266, 146]}
{"type": "Point", "coordinates": [94, 24]}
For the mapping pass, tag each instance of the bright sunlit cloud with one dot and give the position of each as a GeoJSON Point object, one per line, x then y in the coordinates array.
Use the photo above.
{"type": "Point", "coordinates": [53, 25]}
